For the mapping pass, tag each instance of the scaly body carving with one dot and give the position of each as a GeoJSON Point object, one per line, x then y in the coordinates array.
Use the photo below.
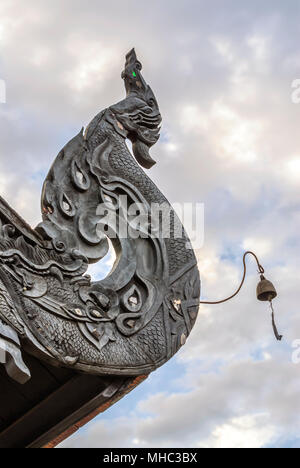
{"type": "Point", "coordinates": [136, 318]}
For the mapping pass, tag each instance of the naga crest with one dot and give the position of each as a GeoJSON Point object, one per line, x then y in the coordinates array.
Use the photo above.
{"type": "Point", "coordinates": [138, 114]}
{"type": "Point", "coordinates": [135, 319]}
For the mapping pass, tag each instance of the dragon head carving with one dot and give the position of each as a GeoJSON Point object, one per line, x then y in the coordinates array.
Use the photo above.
{"type": "Point", "coordinates": [138, 114]}
{"type": "Point", "coordinates": [133, 320]}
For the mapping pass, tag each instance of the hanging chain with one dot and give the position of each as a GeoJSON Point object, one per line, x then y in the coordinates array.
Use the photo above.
{"type": "Point", "coordinates": [260, 270]}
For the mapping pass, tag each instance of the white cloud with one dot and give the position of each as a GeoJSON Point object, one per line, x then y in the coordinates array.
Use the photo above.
{"type": "Point", "coordinates": [293, 169]}
{"type": "Point", "coordinates": [250, 431]}
{"type": "Point", "coordinates": [263, 246]}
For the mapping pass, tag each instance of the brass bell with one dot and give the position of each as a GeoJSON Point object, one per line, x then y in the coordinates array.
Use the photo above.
{"type": "Point", "coordinates": [265, 290]}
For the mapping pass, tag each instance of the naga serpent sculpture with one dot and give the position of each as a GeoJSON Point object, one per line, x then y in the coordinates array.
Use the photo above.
{"type": "Point", "coordinates": [135, 319]}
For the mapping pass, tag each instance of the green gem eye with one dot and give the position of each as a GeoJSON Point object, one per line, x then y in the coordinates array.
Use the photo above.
{"type": "Point", "coordinates": [134, 74]}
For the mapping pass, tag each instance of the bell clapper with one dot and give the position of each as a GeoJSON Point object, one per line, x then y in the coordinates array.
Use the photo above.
{"type": "Point", "coordinates": [278, 337]}
{"type": "Point", "coordinates": [265, 291]}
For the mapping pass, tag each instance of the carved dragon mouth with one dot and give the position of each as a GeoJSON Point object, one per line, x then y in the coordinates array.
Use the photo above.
{"type": "Point", "coordinates": [148, 133]}
{"type": "Point", "coordinates": [143, 131]}
{"type": "Point", "coordinates": [145, 135]}
{"type": "Point", "coordinates": [139, 127]}
{"type": "Point", "coordinates": [146, 120]}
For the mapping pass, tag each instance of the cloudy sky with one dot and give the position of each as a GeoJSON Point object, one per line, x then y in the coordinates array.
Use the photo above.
{"type": "Point", "coordinates": [222, 72]}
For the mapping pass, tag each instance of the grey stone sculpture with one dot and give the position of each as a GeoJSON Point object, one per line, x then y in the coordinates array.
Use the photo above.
{"type": "Point", "coordinates": [136, 318]}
